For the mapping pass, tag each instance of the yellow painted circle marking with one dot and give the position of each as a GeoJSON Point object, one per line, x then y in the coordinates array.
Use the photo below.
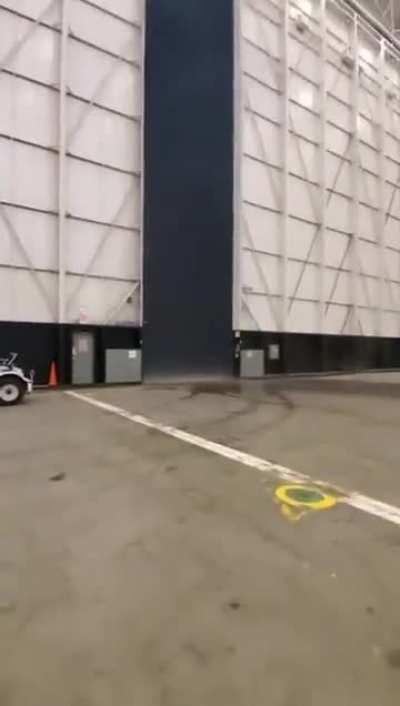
{"type": "Point", "coordinates": [305, 496]}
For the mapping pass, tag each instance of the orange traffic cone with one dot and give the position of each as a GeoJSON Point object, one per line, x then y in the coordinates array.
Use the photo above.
{"type": "Point", "coordinates": [53, 379]}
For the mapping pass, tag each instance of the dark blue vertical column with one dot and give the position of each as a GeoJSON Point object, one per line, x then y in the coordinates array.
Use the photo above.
{"type": "Point", "coordinates": [188, 238]}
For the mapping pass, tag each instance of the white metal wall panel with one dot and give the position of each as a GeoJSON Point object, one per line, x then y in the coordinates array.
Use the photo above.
{"type": "Point", "coordinates": [130, 10]}
{"type": "Point", "coordinates": [318, 176]}
{"type": "Point", "coordinates": [29, 49]}
{"type": "Point", "coordinates": [24, 298]}
{"type": "Point", "coordinates": [18, 163]}
{"type": "Point", "coordinates": [36, 238]}
{"type": "Point", "coordinates": [71, 162]}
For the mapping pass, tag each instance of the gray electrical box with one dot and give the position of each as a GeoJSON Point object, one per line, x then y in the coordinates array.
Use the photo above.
{"type": "Point", "coordinates": [252, 364]}
{"type": "Point", "coordinates": [123, 365]}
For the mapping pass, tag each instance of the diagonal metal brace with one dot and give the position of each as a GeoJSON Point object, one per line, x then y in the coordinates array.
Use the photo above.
{"type": "Point", "coordinates": [15, 49]}
{"type": "Point", "coordinates": [14, 234]}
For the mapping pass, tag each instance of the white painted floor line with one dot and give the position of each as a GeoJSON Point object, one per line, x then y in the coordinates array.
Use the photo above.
{"type": "Point", "coordinates": [390, 513]}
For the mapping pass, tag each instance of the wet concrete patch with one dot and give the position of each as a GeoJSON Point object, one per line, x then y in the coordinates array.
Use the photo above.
{"type": "Point", "coordinates": [234, 605]}
{"type": "Point", "coordinates": [57, 477]}
{"type": "Point", "coordinates": [336, 386]}
{"type": "Point", "coordinates": [9, 586]}
{"type": "Point", "coordinates": [392, 658]}
{"type": "Point", "coordinates": [230, 387]}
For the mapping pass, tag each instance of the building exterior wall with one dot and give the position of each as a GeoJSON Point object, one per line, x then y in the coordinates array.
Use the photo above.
{"type": "Point", "coordinates": [317, 188]}
{"type": "Point", "coordinates": [271, 189]}
{"type": "Point", "coordinates": [71, 162]}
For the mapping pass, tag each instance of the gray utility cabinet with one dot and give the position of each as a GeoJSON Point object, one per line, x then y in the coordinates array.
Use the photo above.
{"type": "Point", "coordinates": [123, 365]}
{"type": "Point", "coordinates": [252, 364]}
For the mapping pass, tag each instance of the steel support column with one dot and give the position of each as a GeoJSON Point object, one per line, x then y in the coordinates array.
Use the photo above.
{"type": "Point", "coordinates": [285, 161]}
{"type": "Point", "coordinates": [382, 183]}
{"type": "Point", "coordinates": [323, 170]}
{"type": "Point", "coordinates": [356, 175]}
{"type": "Point", "coordinates": [62, 166]}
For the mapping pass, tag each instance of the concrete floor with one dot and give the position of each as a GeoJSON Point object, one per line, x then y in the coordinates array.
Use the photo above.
{"type": "Point", "coordinates": [136, 570]}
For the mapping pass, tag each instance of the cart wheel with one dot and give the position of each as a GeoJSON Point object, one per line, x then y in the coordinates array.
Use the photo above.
{"type": "Point", "coordinates": [12, 391]}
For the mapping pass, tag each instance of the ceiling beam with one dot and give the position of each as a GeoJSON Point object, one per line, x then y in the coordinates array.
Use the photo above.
{"type": "Point", "coordinates": [372, 20]}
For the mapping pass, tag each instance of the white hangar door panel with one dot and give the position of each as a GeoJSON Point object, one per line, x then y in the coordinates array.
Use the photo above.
{"type": "Point", "coordinates": [317, 171]}
{"type": "Point", "coordinates": [71, 162]}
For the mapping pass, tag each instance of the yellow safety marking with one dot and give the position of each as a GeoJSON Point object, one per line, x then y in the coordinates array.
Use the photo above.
{"type": "Point", "coordinates": [292, 514]}
{"type": "Point", "coordinates": [322, 501]}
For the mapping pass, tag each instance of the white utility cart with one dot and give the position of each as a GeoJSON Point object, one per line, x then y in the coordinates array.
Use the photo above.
{"type": "Point", "coordinates": [14, 383]}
